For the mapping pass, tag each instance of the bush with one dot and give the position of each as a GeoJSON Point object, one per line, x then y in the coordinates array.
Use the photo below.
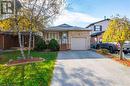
{"type": "Point", "coordinates": [103, 51]}
{"type": "Point", "coordinates": [53, 45]}
{"type": "Point", "coordinates": [40, 44]}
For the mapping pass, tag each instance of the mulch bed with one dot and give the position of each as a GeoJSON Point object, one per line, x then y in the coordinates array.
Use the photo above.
{"type": "Point", "coordinates": [24, 61]}
{"type": "Point", "coordinates": [125, 62]}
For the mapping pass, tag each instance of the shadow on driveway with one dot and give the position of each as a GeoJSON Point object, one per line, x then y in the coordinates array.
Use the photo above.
{"type": "Point", "coordinates": [87, 68]}
{"type": "Point", "coordinates": [62, 55]}
{"type": "Point", "coordinates": [78, 77]}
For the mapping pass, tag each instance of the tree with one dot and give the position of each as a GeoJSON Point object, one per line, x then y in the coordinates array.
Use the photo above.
{"type": "Point", "coordinates": [41, 13]}
{"type": "Point", "coordinates": [31, 16]}
{"type": "Point", "coordinates": [118, 31]}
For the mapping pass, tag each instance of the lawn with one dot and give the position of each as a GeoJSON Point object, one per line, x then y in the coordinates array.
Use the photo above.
{"type": "Point", "coordinates": [33, 74]}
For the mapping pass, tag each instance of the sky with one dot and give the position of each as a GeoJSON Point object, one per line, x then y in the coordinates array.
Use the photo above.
{"type": "Point", "coordinates": [84, 12]}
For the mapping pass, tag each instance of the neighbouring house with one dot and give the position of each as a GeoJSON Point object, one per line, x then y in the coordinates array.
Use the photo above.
{"type": "Point", "coordinates": [98, 28]}
{"type": "Point", "coordinates": [96, 37]}
{"type": "Point", "coordinates": [9, 40]}
{"type": "Point", "coordinates": [69, 37]}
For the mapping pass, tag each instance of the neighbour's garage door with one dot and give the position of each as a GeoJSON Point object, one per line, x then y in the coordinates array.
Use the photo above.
{"type": "Point", "coordinates": [78, 44]}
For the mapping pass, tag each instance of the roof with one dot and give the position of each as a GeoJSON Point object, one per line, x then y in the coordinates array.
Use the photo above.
{"type": "Point", "coordinates": [66, 27]}
{"type": "Point", "coordinates": [97, 22]}
{"type": "Point", "coordinates": [97, 34]}
{"type": "Point", "coordinates": [11, 33]}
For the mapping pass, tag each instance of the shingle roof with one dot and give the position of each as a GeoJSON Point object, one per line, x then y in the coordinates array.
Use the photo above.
{"type": "Point", "coordinates": [11, 33]}
{"type": "Point", "coordinates": [65, 27]}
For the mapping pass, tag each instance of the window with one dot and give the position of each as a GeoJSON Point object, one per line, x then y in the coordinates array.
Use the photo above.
{"type": "Point", "coordinates": [97, 28]}
{"type": "Point", "coordinates": [55, 35]}
{"type": "Point", "coordinates": [52, 35]}
{"type": "Point", "coordinates": [47, 36]}
{"type": "Point", "coordinates": [64, 37]}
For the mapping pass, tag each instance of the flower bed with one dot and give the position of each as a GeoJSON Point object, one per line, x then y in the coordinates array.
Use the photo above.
{"type": "Point", "coordinates": [24, 61]}
{"type": "Point", "coordinates": [125, 62]}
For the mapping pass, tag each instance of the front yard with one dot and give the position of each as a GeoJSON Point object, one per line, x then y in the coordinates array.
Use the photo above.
{"type": "Point", "coordinates": [33, 74]}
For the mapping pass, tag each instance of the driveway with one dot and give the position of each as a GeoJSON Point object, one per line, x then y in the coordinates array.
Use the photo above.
{"type": "Point", "coordinates": [87, 68]}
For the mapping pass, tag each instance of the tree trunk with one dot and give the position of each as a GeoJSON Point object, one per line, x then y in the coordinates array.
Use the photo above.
{"type": "Point", "coordinates": [121, 51]}
{"type": "Point", "coordinates": [21, 47]}
{"type": "Point", "coordinates": [30, 41]}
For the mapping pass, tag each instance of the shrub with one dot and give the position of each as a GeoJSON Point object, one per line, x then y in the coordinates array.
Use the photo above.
{"type": "Point", "coordinates": [53, 45]}
{"type": "Point", "coordinates": [40, 44]}
{"type": "Point", "coordinates": [103, 51]}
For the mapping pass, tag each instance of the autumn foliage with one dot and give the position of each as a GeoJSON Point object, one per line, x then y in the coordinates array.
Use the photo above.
{"type": "Point", "coordinates": [118, 31]}
{"type": "Point", "coordinates": [24, 24]}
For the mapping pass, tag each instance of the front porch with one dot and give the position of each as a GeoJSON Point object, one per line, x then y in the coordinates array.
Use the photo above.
{"type": "Point", "coordinates": [61, 37]}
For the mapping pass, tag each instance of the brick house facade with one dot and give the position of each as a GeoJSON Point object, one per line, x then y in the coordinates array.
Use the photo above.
{"type": "Point", "coordinates": [69, 37]}
{"type": "Point", "coordinates": [10, 40]}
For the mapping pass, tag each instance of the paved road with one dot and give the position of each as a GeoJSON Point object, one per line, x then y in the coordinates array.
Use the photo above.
{"type": "Point", "coordinates": [87, 68]}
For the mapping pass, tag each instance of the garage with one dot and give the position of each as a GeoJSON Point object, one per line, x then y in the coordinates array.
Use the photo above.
{"type": "Point", "coordinates": [78, 44]}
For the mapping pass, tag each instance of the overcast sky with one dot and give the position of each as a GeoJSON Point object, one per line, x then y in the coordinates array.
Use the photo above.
{"type": "Point", "coordinates": [83, 12]}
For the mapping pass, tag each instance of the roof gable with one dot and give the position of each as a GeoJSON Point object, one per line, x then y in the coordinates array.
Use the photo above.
{"type": "Point", "coordinates": [97, 22]}
{"type": "Point", "coordinates": [65, 27]}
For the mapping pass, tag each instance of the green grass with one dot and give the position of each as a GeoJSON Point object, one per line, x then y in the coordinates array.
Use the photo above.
{"type": "Point", "coordinates": [33, 74]}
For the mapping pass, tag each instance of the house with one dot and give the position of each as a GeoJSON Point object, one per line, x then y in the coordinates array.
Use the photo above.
{"type": "Point", "coordinates": [96, 37]}
{"type": "Point", "coordinates": [98, 28]}
{"type": "Point", "coordinates": [69, 37]}
{"type": "Point", "coordinates": [9, 40]}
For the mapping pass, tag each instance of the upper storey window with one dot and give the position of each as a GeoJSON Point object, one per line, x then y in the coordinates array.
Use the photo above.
{"type": "Point", "coordinates": [97, 28]}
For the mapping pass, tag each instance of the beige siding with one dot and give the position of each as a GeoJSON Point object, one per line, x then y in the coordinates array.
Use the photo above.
{"type": "Point", "coordinates": [104, 25]}
{"type": "Point", "coordinates": [80, 34]}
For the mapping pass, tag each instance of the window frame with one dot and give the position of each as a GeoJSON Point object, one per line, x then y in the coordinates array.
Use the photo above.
{"type": "Point", "coordinates": [99, 28]}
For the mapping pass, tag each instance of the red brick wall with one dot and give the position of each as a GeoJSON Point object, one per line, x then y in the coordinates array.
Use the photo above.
{"type": "Point", "coordinates": [13, 41]}
{"type": "Point", "coordinates": [10, 41]}
{"type": "Point", "coordinates": [64, 46]}
{"type": "Point", "coordinates": [1, 41]}
{"type": "Point", "coordinates": [97, 37]}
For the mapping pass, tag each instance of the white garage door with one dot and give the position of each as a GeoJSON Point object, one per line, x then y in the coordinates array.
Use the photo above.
{"type": "Point", "coordinates": [78, 44]}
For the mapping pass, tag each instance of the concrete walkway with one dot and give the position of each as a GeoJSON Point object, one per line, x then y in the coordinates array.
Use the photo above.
{"type": "Point", "coordinates": [87, 68]}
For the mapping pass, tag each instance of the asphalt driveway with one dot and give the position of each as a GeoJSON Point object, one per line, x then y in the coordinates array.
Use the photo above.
{"type": "Point", "coordinates": [78, 55]}
{"type": "Point", "coordinates": [87, 68]}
